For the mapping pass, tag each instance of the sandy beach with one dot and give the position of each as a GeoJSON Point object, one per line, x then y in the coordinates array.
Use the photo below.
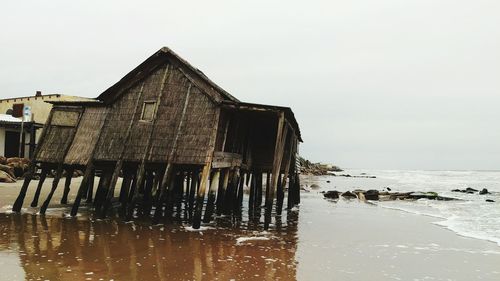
{"type": "Point", "coordinates": [323, 240]}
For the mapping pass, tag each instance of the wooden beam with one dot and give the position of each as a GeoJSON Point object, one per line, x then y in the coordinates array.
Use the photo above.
{"type": "Point", "coordinates": [43, 176]}
{"type": "Point", "coordinates": [278, 154]}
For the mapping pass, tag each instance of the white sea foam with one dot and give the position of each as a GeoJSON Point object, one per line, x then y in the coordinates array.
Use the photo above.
{"type": "Point", "coordinates": [470, 217]}
{"type": "Point", "coordinates": [241, 240]}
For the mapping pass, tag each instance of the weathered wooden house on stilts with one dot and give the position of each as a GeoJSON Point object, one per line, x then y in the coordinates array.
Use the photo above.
{"type": "Point", "coordinates": [181, 143]}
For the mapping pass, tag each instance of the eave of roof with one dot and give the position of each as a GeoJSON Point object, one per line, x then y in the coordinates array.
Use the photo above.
{"type": "Point", "coordinates": [289, 115]}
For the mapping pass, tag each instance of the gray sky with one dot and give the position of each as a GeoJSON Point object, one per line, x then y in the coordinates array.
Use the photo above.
{"type": "Point", "coordinates": [411, 84]}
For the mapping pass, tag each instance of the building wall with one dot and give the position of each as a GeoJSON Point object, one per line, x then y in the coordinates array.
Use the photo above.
{"type": "Point", "coordinates": [2, 141]}
{"type": "Point", "coordinates": [192, 143]}
{"type": "Point", "coordinates": [39, 107]}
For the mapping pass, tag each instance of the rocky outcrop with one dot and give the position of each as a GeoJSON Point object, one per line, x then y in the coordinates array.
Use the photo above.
{"type": "Point", "coordinates": [332, 194]}
{"type": "Point", "coordinates": [349, 195]}
{"type": "Point", "coordinates": [317, 169]}
{"type": "Point", "coordinates": [484, 191]}
{"type": "Point", "coordinates": [375, 195]}
{"type": "Point", "coordinates": [470, 190]}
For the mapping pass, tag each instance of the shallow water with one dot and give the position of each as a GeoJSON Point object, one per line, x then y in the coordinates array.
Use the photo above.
{"type": "Point", "coordinates": [53, 248]}
{"type": "Point", "coordinates": [323, 240]}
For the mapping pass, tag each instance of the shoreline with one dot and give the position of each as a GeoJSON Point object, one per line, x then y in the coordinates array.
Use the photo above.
{"type": "Point", "coordinates": [341, 240]}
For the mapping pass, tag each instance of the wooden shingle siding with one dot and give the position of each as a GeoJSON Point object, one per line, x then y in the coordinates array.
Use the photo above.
{"type": "Point", "coordinates": [87, 135]}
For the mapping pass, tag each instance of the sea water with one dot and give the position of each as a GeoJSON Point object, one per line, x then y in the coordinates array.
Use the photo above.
{"type": "Point", "coordinates": [471, 216]}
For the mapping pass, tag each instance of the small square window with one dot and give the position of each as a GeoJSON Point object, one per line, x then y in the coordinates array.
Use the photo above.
{"type": "Point", "coordinates": [148, 111]}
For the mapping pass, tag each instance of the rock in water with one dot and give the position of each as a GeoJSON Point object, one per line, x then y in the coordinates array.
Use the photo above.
{"type": "Point", "coordinates": [489, 200]}
{"type": "Point", "coordinates": [349, 195]}
{"type": "Point", "coordinates": [371, 194]}
{"type": "Point", "coordinates": [484, 191]}
{"type": "Point", "coordinates": [332, 194]}
{"type": "Point", "coordinates": [469, 189]}
{"type": "Point", "coordinates": [314, 186]}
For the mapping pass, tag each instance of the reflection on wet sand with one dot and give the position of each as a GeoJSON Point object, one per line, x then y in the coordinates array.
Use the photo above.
{"type": "Point", "coordinates": [53, 248]}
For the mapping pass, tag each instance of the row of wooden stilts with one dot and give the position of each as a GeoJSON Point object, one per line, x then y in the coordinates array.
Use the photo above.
{"type": "Point", "coordinates": [141, 194]}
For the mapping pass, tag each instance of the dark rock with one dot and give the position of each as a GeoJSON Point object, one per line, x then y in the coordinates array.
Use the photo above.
{"type": "Point", "coordinates": [327, 181]}
{"type": "Point", "coordinates": [314, 186]}
{"type": "Point", "coordinates": [349, 195]}
{"type": "Point", "coordinates": [470, 189]}
{"type": "Point", "coordinates": [332, 194]}
{"type": "Point", "coordinates": [457, 190]}
{"type": "Point", "coordinates": [371, 194]}
{"type": "Point", "coordinates": [423, 195]}
{"type": "Point", "coordinates": [388, 188]}
{"type": "Point", "coordinates": [484, 191]}
{"type": "Point", "coordinates": [489, 200]}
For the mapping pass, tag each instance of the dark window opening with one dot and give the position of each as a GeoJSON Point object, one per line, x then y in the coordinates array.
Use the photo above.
{"type": "Point", "coordinates": [148, 111]}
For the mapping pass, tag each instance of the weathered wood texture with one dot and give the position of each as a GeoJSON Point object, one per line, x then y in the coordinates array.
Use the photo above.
{"type": "Point", "coordinates": [59, 135]}
{"type": "Point", "coordinates": [193, 138]}
{"type": "Point", "coordinates": [87, 134]}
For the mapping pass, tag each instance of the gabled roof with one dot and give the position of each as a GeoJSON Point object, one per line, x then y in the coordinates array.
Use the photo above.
{"type": "Point", "coordinates": [163, 55]}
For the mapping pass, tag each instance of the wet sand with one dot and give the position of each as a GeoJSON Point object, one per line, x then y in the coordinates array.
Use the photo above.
{"type": "Point", "coordinates": [324, 240]}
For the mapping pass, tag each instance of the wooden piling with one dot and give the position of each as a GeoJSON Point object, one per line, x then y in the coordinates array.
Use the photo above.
{"type": "Point", "coordinates": [282, 131]}
{"type": "Point", "coordinates": [84, 185]}
{"type": "Point", "coordinates": [67, 184]}
{"type": "Point", "coordinates": [195, 178]}
{"type": "Point", "coordinates": [201, 194]}
{"type": "Point", "coordinates": [43, 176]}
{"type": "Point", "coordinates": [45, 204]}
{"type": "Point", "coordinates": [110, 190]}
{"type": "Point", "coordinates": [221, 194]}
{"type": "Point", "coordinates": [18, 204]}
{"type": "Point", "coordinates": [90, 186]}
{"type": "Point", "coordinates": [214, 184]}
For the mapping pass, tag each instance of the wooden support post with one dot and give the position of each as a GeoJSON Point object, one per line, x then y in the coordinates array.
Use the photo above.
{"type": "Point", "coordinates": [124, 190]}
{"type": "Point", "coordinates": [165, 182]}
{"type": "Point", "coordinates": [195, 176]}
{"type": "Point", "coordinates": [231, 196]}
{"type": "Point", "coordinates": [221, 194]}
{"type": "Point", "coordinates": [101, 191]}
{"type": "Point", "coordinates": [178, 193]}
{"type": "Point", "coordinates": [43, 176]}
{"type": "Point", "coordinates": [251, 198]}
{"type": "Point", "coordinates": [201, 194]}
{"type": "Point", "coordinates": [45, 204]}
{"type": "Point", "coordinates": [67, 184]}
{"type": "Point", "coordinates": [18, 204]}
{"type": "Point", "coordinates": [135, 196]}
{"type": "Point", "coordinates": [278, 154]}
{"type": "Point", "coordinates": [239, 201]}
{"type": "Point", "coordinates": [280, 195]}
{"type": "Point", "coordinates": [90, 186]}
{"type": "Point", "coordinates": [111, 189]}
{"type": "Point", "coordinates": [258, 194]}
{"type": "Point", "coordinates": [214, 183]}
{"type": "Point", "coordinates": [84, 185]}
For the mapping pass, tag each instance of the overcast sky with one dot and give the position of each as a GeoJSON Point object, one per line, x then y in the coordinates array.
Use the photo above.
{"type": "Point", "coordinates": [398, 84]}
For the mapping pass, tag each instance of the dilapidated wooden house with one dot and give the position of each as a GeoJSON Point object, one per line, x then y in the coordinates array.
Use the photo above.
{"type": "Point", "coordinates": [174, 136]}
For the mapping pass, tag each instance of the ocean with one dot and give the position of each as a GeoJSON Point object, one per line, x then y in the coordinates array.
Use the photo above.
{"type": "Point", "coordinates": [472, 216]}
